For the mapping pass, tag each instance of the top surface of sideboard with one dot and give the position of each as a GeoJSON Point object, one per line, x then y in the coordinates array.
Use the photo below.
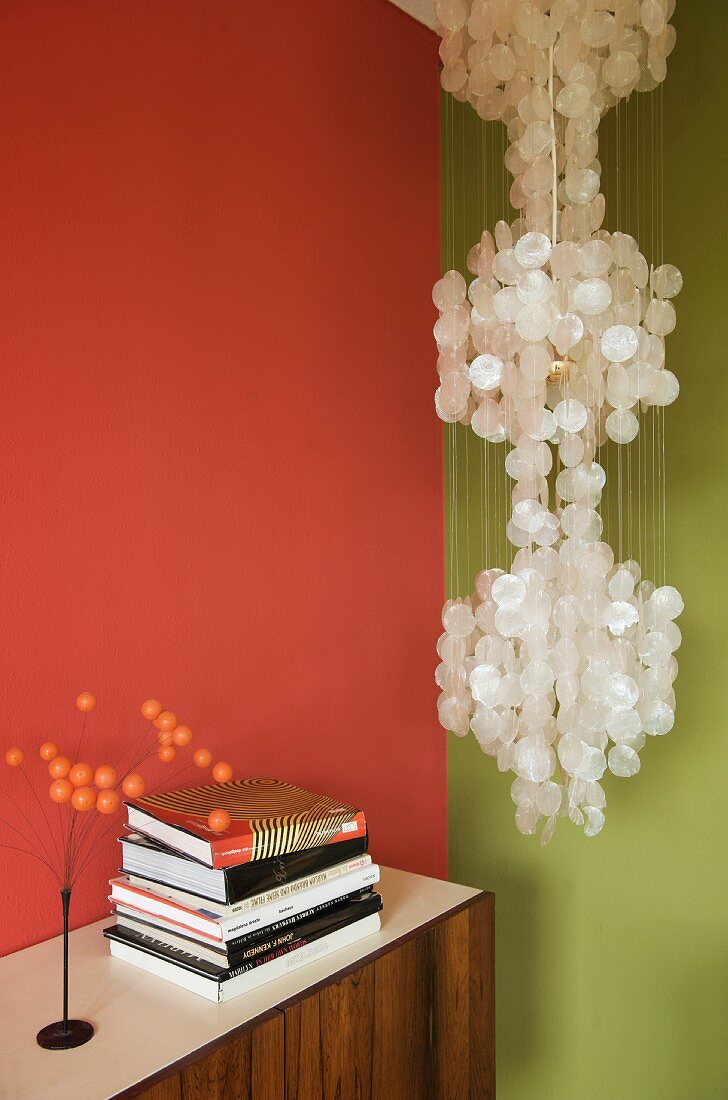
{"type": "Point", "coordinates": [144, 1025]}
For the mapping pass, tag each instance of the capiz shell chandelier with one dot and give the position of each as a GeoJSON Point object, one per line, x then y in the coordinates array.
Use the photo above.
{"type": "Point", "coordinates": [563, 664]}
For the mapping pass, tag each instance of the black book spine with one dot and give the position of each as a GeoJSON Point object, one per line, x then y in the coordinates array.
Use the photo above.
{"type": "Point", "coordinates": [297, 936]}
{"type": "Point", "coordinates": [251, 964]}
{"type": "Point", "coordinates": [240, 883]}
{"type": "Point", "coordinates": [253, 878]}
{"type": "Point", "coordinates": [325, 908]}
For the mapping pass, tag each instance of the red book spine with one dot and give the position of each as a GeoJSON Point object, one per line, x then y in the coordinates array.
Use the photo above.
{"type": "Point", "coordinates": [232, 850]}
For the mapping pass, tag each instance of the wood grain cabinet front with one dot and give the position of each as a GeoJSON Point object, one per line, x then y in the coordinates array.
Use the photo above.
{"type": "Point", "coordinates": [415, 1022]}
{"type": "Point", "coordinates": [250, 1067]}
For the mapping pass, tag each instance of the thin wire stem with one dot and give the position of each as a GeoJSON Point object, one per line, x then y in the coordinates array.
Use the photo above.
{"type": "Point", "coordinates": [46, 818]}
{"type": "Point", "coordinates": [29, 822]}
{"type": "Point", "coordinates": [27, 840]}
{"type": "Point", "coordinates": [80, 737]}
{"type": "Point", "coordinates": [33, 855]}
{"type": "Point", "coordinates": [134, 745]}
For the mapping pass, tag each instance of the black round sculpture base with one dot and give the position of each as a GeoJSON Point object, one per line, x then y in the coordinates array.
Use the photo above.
{"type": "Point", "coordinates": [53, 1037]}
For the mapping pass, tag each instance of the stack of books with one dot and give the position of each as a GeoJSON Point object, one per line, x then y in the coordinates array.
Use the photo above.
{"type": "Point", "coordinates": [219, 913]}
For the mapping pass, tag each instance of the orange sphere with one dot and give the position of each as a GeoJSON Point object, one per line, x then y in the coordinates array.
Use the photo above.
{"type": "Point", "coordinates": [222, 772]}
{"type": "Point", "coordinates": [81, 775]}
{"type": "Point", "coordinates": [182, 736]}
{"type": "Point", "coordinates": [151, 709]}
{"type": "Point", "coordinates": [167, 753]}
{"type": "Point", "coordinates": [59, 767]}
{"type": "Point", "coordinates": [219, 820]}
{"type": "Point", "coordinates": [83, 798]}
{"type": "Point", "coordinates": [107, 802]}
{"type": "Point", "coordinates": [133, 785]}
{"type": "Point", "coordinates": [203, 758]}
{"type": "Point", "coordinates": [14, 756]}
{"type": "Point", "coordinates": [86, 701]}
{"type": "Point", "coordinates": [105, 777]}
{"type": "Point", "coordinates": [167, 720]}
{"type": "Point", "coordinates": [48, 751]}
{"type": "Point", "coordinates": [164, 737]}
{"type": "Point", "coordinates": [61, 790]}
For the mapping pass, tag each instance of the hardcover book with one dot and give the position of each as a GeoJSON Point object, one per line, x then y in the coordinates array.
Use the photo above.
{"type": "Point", "coordinates": [283, 934]}
{"type": "Point", "coordinates": [238, 887]}
{"type": "Point", "coordinates": [212, 925]}
{"type": "Point", "coordinates": [185, 972]}
{"type": "Point", "coordinates": [171, 925]}
{"type": "Point", "coordinates": [268, 818]}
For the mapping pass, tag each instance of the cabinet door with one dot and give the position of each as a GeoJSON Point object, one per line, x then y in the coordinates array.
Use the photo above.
{"type": "Point", "coordinates": [249, 1067]}
{"type": "Point", "coordinates": [415, 1024]}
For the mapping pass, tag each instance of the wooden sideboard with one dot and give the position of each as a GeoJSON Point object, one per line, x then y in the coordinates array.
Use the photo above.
{"type": "Point", "coordinates": [407, 1013]}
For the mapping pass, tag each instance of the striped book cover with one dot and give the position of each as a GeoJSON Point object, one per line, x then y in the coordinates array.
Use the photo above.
{"type": "Point", "coordinates": [268, 818]}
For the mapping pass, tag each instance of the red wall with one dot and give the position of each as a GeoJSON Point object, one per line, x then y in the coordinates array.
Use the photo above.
{"type": "Point", "coordinates": [221, 476]}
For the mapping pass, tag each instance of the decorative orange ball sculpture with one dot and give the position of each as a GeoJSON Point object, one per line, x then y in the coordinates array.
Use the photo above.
{"type": "Point", "coordinates": [133, 785]}
{"type": "Point", "coordinates": [83, 798]}
{"type": "Point", "coordinates": [59, 767]}
{"type": "Point", "coordinates": [81, 775]}
{"type": "Point", "coordinates": [105, 777]}
{"type": "Point", "coordinates": [182, 736]}
{"type": "Point", "coordinates": [151, 709]}
{"type": "Point", "coordinates": [84, 788]}
{"type": "Point", "coordinates": [219, 820]}
{"type": "Point", "coordinates": [61, 790]}
{"type": "Point", "coordinates": [107, 802]}
{"type": "Point", "coordinates": [222, 772]}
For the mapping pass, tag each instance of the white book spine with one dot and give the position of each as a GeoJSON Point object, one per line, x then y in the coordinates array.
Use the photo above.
{"type": "Point", "coordinates": [238, 925]}
{"type": "Point", "coordinates": [244, 983]}
{"type": "Point", "coordinates": [328, 874]}
{"type": "Point", "coordinates": [297, 885]}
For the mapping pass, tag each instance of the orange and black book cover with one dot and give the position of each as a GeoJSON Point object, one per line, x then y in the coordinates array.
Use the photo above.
{"type": "Point", "coordinates": [268, 818]}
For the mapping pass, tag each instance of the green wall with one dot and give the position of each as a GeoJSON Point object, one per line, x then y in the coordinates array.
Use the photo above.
{"type": "Point", "coordinates": [612, 953]}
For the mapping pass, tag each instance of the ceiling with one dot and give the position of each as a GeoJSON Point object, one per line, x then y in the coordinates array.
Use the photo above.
{"type": "Point", "coordinates": [421, 10]}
